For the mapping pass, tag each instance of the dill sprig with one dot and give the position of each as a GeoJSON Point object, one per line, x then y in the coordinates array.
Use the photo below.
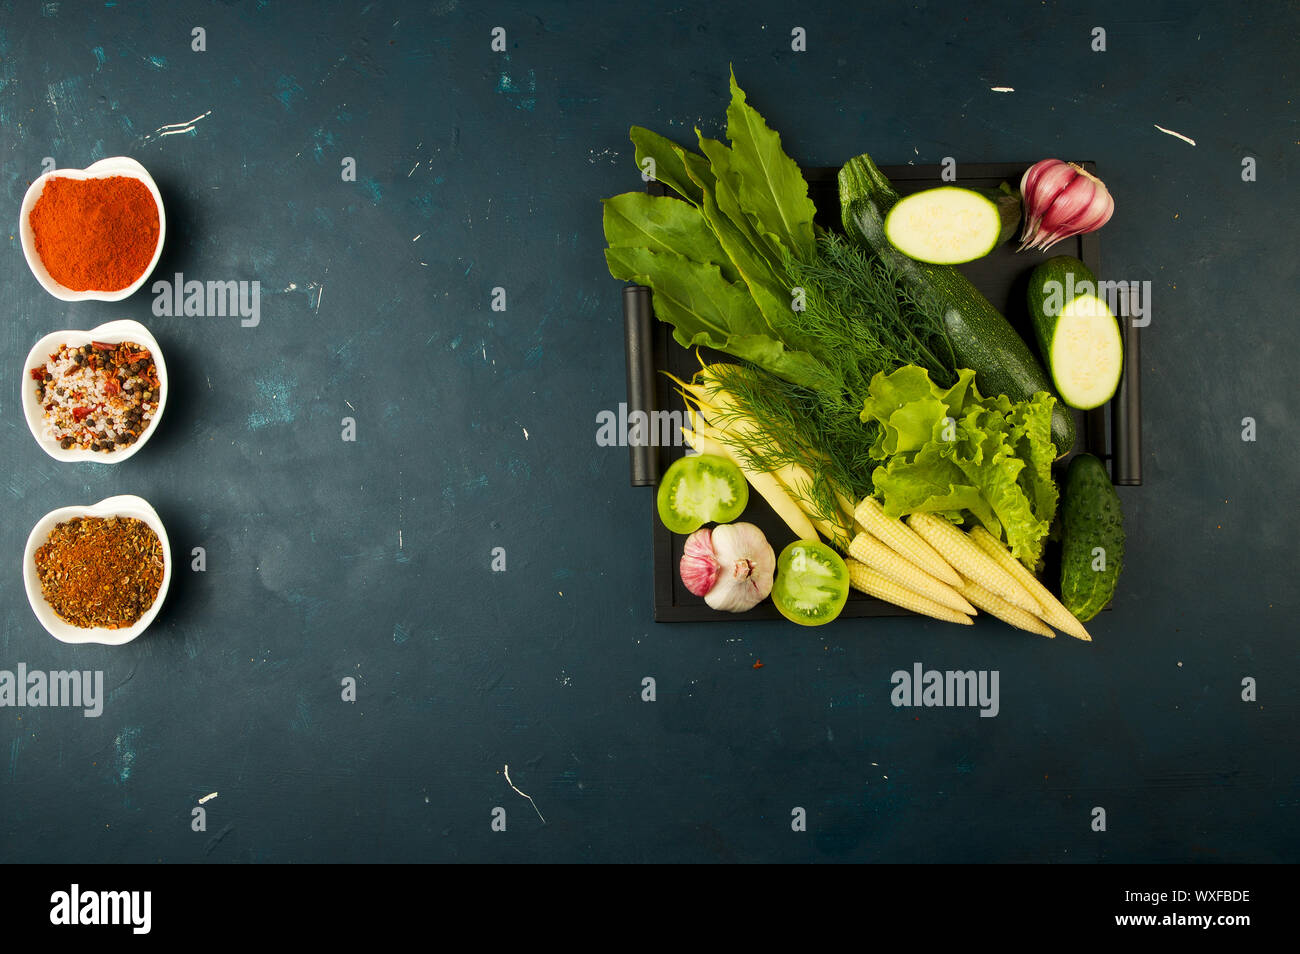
{"type": "Point", "coordinates": [860, 319]}
{"type": "Point", "coordinates": [793, 431]}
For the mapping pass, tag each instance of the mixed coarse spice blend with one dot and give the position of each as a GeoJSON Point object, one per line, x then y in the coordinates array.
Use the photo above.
{"type": "Point", "coordinates": [101, 571]}
{"type": "Point", "coordinates": [99, 396]}
{"type": "Point", "coordinates": [96, 234]}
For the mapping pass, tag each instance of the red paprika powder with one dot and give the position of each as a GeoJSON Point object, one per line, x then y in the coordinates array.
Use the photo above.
{"type": "Point", "coordinates": [95, 234]}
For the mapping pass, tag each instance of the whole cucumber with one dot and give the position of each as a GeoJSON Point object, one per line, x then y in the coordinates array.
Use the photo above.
{"type": "Point", "coordinates": [1092, 545]}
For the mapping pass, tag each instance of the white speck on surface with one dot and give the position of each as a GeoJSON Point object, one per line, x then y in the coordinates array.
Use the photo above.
{"type": "Point", "coordinates": [172, 129]}
{"type": "Point", "coordinates": [332, 69]}
{"type": "Point", "coordinates": [525, 430]}
{"type": "Point", "coordinates": [413, 168]}
{"type": "Point", "coordinates": [319, 295]}
{"type": "Point", "coordinates": [417, 238]}
{"type": "Point", "coordinates": [1176, 135]}
{"type": "Point", "coordinates": [208, 797]}
{"type": "Point", "coordinates": [529, 797]}
{"type": "Point", "coordinates": [290, 287]}
{"type": "Point", "coordinates": [1002, 89]}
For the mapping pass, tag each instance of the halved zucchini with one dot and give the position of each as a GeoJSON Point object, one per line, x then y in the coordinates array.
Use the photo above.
{"type": "Point", "coordinates": [950, 225]}
{"type": "Point", "coordinates": [1077, 334]}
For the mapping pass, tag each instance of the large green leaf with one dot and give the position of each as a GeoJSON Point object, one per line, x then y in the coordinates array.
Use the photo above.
{"type": "Point", "coordinates": [723, 306]}
{"type": "Point", "coordinates": [717, 264]}
{"type": "Point", "coordinates": [706, 309]}
{"type": "Point", "coordinates": [737, 233]}
{"type": "Point", "coordinates": [669, 162]}
{"type": "Point", "coordinates": [798, 367]}
{"type": "Point", "coordinates": [769, 292]}
{"type": "Point", "coordinates": [662, 224]}
{"type": "Point", "coordinates": [726, 192]}
{"type": "Point", "coordinates": [771, 184]}
{"type": "Point", "coordinates": [699, 170]}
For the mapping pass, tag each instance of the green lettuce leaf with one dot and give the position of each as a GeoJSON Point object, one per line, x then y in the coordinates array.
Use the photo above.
{"type": "Point", "coordinates": [954, 453]}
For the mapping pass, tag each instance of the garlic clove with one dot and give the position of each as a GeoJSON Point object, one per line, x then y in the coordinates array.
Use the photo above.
{"type": "Point", "coordinates": [1084, 205]}
{"type": "Point", "coordinates": [1046, 180]}
{"type": "Point", "coordinates": [1061, 200]}
{"type": "Point", "coordinates": [747, 566]}
{"type": "Point", "coordinates": [1093, 214]}
{"type": "Point", "coordinates": [1043, 181]}
{"type": "Point", "coordinates": [698, 567]}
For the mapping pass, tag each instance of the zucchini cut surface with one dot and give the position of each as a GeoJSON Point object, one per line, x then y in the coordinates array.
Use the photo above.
{"type": "Point", "coordinates": [944, 226]}
{"type": "Point", "coordinates": [1086, 353]}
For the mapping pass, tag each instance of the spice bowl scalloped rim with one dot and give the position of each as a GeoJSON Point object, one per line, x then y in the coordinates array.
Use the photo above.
{"type": "Point", "coordinates": [122, 505]}
{"type": "Point", "coordinates": [111, 332]}
{"type": "Point", "coordinates": [112, 166]}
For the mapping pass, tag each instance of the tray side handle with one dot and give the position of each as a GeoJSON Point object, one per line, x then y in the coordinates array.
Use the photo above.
{"type": "Point", "coordinates": [638, 327]}
{"type": "Point", "coordinates": [1126, 411]}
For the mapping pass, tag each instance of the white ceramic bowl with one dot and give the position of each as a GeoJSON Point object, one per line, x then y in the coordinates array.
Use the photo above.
{"type": "Point", "coordinates": [111, 333]}
{"type": "Point", "coordinates": [116, 166]}
{"type": "Point", "coordinates": [125, 506]}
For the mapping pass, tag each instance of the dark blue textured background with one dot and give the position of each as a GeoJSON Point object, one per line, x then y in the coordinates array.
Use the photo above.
{"type": "Point", "coordinates": [477, 429]}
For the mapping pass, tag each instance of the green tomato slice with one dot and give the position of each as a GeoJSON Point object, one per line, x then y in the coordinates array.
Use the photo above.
{"type": "Point", "coordinates": [812, 583]}
{"type": "Point", "coordinates": [700, 489]}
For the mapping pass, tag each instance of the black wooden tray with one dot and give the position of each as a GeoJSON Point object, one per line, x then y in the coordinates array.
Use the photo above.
{"type": "Point", "coordinates": [1111, 432]}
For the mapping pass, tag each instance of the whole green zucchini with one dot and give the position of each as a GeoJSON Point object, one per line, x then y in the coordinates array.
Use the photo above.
{"type": "Point", "coordinates": [982, 339]}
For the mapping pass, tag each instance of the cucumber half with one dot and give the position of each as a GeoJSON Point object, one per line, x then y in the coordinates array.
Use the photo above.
{"type": "Point", "coordinates": [950, 225]}
{"type": "Point", "coordinates": [1077, 334]}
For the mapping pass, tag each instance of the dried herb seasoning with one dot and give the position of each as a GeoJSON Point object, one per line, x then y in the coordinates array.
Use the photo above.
{"type": "Point", "coordinates": [101, 571]}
